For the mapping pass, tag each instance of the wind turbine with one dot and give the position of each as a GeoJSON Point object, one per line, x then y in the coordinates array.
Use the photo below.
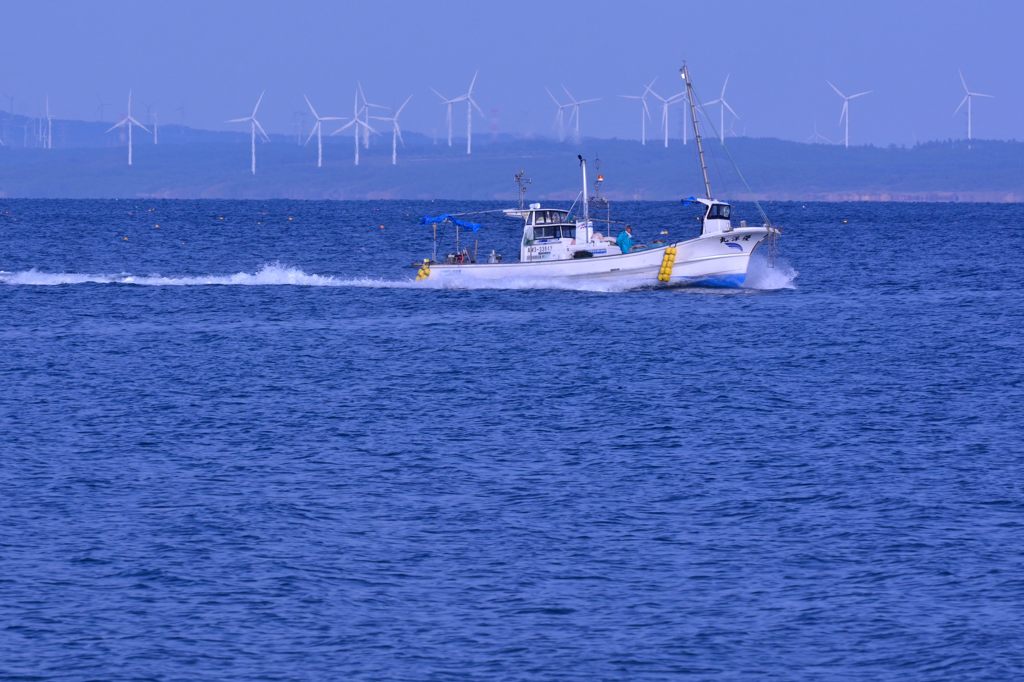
{"type": "Point", "coordinates": [49, 125]}
{"type": "Point", "coordinates": [356, 124]}
{"type": "Point", "coordinates": [254, 126]}
{"type": "Point", "coordinates": [101, 109]}
{"type": "Point", "coordinates": [470, 105]}
{"type": "Point", "coordinates": [686, 110]}
{"type": "Point", "coordinates": [560, 115]}
{"type": "Point", "coordinates": [396, 132]}
{"type": "Point", "coordinates": [127, 122]}
{"type": "Point", "coordinates": [722, 106]}
{"type": "Point", "coordinates": [968, 99]}
{"type": "Point", "coordinates": [318, 131]}
{"type": "Point", "coordinates": [448, 113]}
{"type": "Point", "coordinates": [576, 104]}
{"type": "Point", "coordinates": [367, 105]}
{"type": "Point", "coordinates": [665, 104]}
{"type": "Point", "coordinates": [817, 138]}
{"type": "Point", "coordinates": [845, 113]}
{"type": "Point", "coordinates": [645, 112]}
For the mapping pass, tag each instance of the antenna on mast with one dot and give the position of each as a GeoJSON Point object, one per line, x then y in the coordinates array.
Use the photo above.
{"type": "Point", "coordinates": [685, 75]}
{"type": "Point", "coordinates": [521, 182]}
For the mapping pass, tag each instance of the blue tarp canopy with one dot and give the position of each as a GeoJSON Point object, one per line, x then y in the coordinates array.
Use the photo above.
{"type": "Point", "coordinates": [448, 218]}
{"type": "Point", "coordinates": [690, 200]}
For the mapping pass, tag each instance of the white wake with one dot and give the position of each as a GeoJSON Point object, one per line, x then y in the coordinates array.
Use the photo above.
{"type": "Point", "coordinates": [765, 277]}
{"type": "Point", "coordinates": [760, 277]}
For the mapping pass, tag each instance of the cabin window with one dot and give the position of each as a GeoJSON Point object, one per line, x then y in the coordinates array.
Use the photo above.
{"type": "Point", "coordinates": [719, 211]}
{"type": "Point", "coordinates": [554, 231]}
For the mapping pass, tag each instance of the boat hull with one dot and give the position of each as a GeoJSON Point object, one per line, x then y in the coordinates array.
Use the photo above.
{"type": "Point", "coordinates": [720, 260]}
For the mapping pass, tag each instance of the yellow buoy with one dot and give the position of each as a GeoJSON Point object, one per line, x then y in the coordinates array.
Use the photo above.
{"type": "Point", "coordinates": [667, 261]}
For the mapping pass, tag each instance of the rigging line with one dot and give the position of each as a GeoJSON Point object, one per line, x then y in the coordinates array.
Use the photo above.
{"type": "Point", "coordinates": [464, 213]}
{"type": "Point", "coordinates": [574, 201]}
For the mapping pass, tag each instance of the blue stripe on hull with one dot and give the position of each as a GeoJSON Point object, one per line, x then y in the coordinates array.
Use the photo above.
{"type": "Point", "coordinates": [718, 281]}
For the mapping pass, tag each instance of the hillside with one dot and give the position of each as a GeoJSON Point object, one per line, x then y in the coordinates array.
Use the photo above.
{"type": "Point", "coordinates": [188, 163]}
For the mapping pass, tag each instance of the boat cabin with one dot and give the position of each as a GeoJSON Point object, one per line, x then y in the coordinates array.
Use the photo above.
{"type": "Point", "coordinates": [717, 217]}
{"type": "Point", "coordinates": [551, 234]}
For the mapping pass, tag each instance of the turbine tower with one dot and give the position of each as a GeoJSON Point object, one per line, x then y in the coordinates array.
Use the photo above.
{"type": "Point", "coordinates": [645, 112]}
{"type": "Point", "coordinates": [318, 131]}
{"type": "Point", "coordinates": [844, 115]}
{"type": "Point", "coordinates": [357, 124]}
{"type": "Point", "coordinates": [722, 106]}
{"type": "Point", "coordinates": [127, 122]}
{"type": "Point", "coordinates": [559, 115]}
{"type": "Point", "coordinates": [968, 100]}
{"type": "Point", "coordinates": [254, 127]}
{"type": "Point", "coordinates": [576, 104]}
{"type": "Point", "coordinates": [396, 132]}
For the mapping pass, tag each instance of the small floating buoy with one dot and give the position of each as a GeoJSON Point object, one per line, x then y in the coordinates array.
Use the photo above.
{"type": "Point", "coordinates": [290, 218]}
{"type": "Point", "coordinates": [156, 226]}
{"type": "Point", "coordinates": [220, 217]}
{"type": "Point", "coordinates": [381, 226]}
{"type": "Point", "coordinates": [845, 221]}
{"type": "Point", "coordinates": [124, 238]}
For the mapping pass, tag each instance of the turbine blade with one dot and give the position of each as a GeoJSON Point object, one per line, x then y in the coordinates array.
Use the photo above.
{"type": "Point", "coordinates": [260, 128]}
{"type": "Point", "coordinates": [962, 81]}
{"type": "Point", "coordinates": [443, 98]}
{"type": "Point", "coordinates": [119, 124]}
{"type": "Point", "coordinates": [961, 105]}
{"type": "Point", "coordinates": [402, 107]}
{"type": "Point", "coordinates": [316, 127]}
{"type": "Point", "coordinates": [238, 120]}
{"type": "Point", "coordinates": [315, 115]}
{"type": "Point", "coordinates": [476, 106]}
{"type": "Point", "coordinates": [979, 94]}
{"type": "Point", "coordinates": [553, 99]}
{"type": "Point", "coordinates": [860, 94]}
{"type": "Point", "coordinates": [473, 82]}
{"type": "Point", "coordinates": [571, 98]}
{"type": "Point", "coordinates": [842, 114]}
{"type": "Point", "coordinates": [344, 127]}
{"type": "Point", "coordinates": [838, 91]}
{"type": "Point", "coordinates": [725, 85]}
{"type": "Point", "coordinates": [256, 108]}
{"type": "Point", "coordinates": [731, 110]}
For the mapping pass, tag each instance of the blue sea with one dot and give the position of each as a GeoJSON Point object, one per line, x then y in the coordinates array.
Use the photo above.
{"type": "Point", "coordinates": [238, 442]}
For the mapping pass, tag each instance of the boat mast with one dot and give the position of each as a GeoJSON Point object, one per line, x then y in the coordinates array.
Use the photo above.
{"type": "Point", "coordinates": [685, 73]}
{"type": "Point", "coordinates": [586, 204]}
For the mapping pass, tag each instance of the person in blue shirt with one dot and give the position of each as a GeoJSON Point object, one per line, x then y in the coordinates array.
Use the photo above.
{"type": "Point", "coordinates": [625, 239]}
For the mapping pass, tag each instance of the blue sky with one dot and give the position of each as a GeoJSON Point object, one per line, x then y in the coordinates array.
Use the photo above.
{"type": "Point", "coordinates": [213, 59]}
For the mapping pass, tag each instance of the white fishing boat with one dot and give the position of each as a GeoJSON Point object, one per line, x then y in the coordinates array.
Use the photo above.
{"type": "Point", "coordinates": [559, 248]}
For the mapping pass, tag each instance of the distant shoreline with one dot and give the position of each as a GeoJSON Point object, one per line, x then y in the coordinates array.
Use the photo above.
{"type": "Point", "coordinates": [831, 198]}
